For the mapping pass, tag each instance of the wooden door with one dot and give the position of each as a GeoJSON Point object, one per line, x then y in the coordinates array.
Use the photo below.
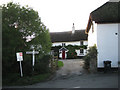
{"type": "Point", "coordinates": [63, 54]}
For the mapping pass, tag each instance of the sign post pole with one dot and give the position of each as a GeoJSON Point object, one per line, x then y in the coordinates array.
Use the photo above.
{"type": "Point", "coordinates": [21, 69]}
{"type": "Point", "coordinates": [33, 59]}
{"type": "Point", "coordinates": [33, 56]}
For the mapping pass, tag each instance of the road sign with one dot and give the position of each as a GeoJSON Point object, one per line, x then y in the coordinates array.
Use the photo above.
{"type": "Point", "coordinates": [20, 58]}
{"type": "Point", "coordinates": [33, 53]}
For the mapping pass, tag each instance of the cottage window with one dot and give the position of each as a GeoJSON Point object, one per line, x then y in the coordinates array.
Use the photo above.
{"type": "Point", "coordinates": [81, 51]}
{"type": "Point", "coordinates": [63, 44]}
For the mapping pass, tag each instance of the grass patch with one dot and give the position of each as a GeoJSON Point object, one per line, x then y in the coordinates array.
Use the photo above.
{"type": "Point", "coordinates": [60, 64]}
{"type": "Point", "coordinates": [15, 79]}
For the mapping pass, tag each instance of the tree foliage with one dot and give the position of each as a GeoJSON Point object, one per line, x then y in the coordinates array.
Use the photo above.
{"type": "Point", "coordinates": [21, 28]}
{"type": "Point", "coordinates": [71, 54]}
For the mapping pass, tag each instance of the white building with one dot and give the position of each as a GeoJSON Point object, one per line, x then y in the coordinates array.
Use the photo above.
{"type": "Point", "coordinates": [74, 37]}
{"type": "Point", "coordinates": [102, 30]}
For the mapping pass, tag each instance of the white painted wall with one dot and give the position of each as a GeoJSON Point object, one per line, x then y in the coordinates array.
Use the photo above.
{"type": "Point", "coordinates": [66, 43]}
{"type": "Point", "coordinates": [85, 42]}
{"type": "Point", "coordinates": [106, 41]}
{"type": "Point", "coordinates": [79, 54]}
{"type": "Point", "coordinates": [69, 43]}
{"type": "Point", "coordinates": [92, 36]}
{"type": "Point", "coordinates": [107, 44]}
{"type": "Point", "coordinates": [119, 42]}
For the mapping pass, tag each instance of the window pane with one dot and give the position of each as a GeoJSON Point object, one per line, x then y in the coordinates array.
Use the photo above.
{"type": "Point", "coordinates": [81, 51]}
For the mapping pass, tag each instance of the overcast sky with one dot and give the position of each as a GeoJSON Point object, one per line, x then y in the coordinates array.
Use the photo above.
{"type": "Point", "coordinates": [59, 15]}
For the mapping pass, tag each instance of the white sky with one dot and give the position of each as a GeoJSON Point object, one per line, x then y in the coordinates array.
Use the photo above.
{"type": "Point", "coordinates": [59, 15]}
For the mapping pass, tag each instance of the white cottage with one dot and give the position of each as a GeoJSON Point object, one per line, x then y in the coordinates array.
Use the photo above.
{"type": "Point", "coordinates": [74, 37]}
{"type": "Point", "coordinates": [102, 30]}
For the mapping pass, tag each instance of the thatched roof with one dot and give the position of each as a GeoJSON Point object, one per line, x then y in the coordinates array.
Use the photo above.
{"type": "Point", "coordinates": [68, 36]}
{"type": "Point", "coordinates": [107, 13]}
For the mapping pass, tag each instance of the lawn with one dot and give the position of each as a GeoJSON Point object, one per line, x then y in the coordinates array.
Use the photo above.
{"type": "Point", "coordinates": [60, 64]}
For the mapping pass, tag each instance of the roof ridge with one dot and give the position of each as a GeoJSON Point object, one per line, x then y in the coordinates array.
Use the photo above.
{"type": "Point", "coordinates": [99, 7]}
{"type": "Point", "coordinates": [68, 31]}
{"type": "Point", "coordinates": [102, 6]}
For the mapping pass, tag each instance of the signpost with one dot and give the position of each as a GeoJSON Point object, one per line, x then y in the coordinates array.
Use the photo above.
{"type": "Point", "coordinates": [33, 54]}
{"type": "Point", "coordinates": [20, 58]}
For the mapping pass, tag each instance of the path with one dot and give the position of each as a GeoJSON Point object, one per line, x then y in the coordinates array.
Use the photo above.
{"type": "Point", "coordinates": [71, 67]}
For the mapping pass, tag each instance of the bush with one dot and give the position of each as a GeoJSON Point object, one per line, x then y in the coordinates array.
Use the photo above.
{"type": "Point", "coordinates": [42, 65]}
{"type": "Point", "coordinates": [71, 54]}
{"type": "Point", "coordinates": [87, 62]}
{"type": "Point", "coordinates": [91, 59]}
{"type": "Point", "coordinates": [27, 67]}
{"type": "Point", "coordinates": [41, 68]}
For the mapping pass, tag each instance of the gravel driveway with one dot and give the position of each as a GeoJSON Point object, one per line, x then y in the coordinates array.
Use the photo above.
{"type": "Point", "coordinates": [71, 66]}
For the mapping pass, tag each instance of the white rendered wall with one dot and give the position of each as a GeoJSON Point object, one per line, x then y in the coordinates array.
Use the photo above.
{"type": "Point", "coordinates": [79, 54]}
{"type": "Point", "coordinates": [92, 36]}
{"type": "Point", "coordinates": [69, 43]}
{"type": "Point", "coordinates": [85, 42]}
{"type": "Point", "coordinates": [107, 44]}
{"type": "Point", "coordinates": [66, 43]}
{"type": "Point", "coordinates": [119, 42]}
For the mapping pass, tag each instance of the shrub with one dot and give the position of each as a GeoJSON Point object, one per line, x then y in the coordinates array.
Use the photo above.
{"type": "Point", "coordinates": [27, 67]}
{"type": "Point", "coordinates": [42, 65]}
{"type": "Point", "coordinates": [71, 54]}
{"type": "Point", "coordinates": [91, 59]}
{"type": "Point", "coordinates": [87, 62]}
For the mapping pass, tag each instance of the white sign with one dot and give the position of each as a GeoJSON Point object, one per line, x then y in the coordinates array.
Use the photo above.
{"type": "Point", "coordinates": [33, 54]}
{"type": "Point", "coordinates": [19, 56]}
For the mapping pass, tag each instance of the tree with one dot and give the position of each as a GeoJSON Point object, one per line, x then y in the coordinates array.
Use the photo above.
{"type": "Point", "coordinates": [21, 28]}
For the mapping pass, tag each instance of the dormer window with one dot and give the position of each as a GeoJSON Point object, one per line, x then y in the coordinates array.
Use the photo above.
{"type": "Point", "coordinates": [63, 44]}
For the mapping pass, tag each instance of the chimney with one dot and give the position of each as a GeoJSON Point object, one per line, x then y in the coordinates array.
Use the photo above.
{"type": "Point", "coordinates": [73, 29]}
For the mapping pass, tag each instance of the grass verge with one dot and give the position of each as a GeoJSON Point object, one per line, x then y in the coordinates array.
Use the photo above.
{"type": "Point", "coordinates": [15, 79]}
{"type": "Point", "coordinates": [60, 64]}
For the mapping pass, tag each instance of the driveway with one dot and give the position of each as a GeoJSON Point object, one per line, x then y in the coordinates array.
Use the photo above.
{"type": "Point", "coordinates": [71, 67]}
{"type": "Point", "coordinates": [72, 75]}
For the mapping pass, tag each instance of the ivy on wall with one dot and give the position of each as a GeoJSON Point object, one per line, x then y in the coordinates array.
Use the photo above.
{"type": "Point", "coordinates": [71, 50]}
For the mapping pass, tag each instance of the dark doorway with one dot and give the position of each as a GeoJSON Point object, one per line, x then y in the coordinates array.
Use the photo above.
{"type": "Point", "coordinates": [63, 54]}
